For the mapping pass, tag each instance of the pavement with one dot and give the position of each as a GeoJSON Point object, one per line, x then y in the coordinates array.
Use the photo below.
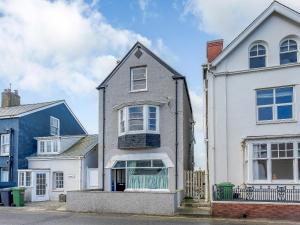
{"type": "Point", "coordinates": [53, 213]}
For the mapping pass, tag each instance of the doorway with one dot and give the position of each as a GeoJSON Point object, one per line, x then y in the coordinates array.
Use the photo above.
{"type": "Point", "coordinates": [40, 191]}
{"type": "Point", "coordinates": [119, 179]}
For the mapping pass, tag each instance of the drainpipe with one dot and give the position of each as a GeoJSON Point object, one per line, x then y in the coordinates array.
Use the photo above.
{"type": "Point", "coordinates": [176, 78]}
{"type": "Point", "coordinates": [103, 135]}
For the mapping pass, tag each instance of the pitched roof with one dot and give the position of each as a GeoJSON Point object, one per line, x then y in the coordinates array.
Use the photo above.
{"type": "Point", "coordinates": [139, 45]}
{"type": "Point", "coordinates": [274, 7]}
{"type": "Point", "coordinates": [17, 111]}
{"type": "Point", "coordinates": [82, 147]}
{"type": "Point", "coordinates": [176, 75]}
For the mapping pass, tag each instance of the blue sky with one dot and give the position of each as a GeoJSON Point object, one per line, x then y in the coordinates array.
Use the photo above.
{"type": "Point", "coordinates": [62, 49]}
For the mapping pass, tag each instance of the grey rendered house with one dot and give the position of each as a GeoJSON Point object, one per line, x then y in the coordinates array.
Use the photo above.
{"type": "Point", "coordinates": [145, 138]}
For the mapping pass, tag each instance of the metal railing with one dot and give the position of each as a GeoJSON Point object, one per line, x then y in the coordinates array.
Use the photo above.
{"type": "Point", "coordinates": [261, 194]}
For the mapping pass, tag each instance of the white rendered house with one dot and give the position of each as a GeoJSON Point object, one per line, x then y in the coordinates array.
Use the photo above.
{"type": "Point", "coordinates": [62, 163]}
{"type": "Point", "coordinates": [252, 107]}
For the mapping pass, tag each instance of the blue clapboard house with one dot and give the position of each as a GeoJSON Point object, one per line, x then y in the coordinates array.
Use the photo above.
{"type": "Point", "coordinates": [20, 124]}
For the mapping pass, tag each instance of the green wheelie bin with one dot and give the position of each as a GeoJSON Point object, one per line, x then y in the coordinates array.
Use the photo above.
{"type": "Point", "coordinates": [225, 191]}
{"type": "Point", "coordinates": [18, 196]}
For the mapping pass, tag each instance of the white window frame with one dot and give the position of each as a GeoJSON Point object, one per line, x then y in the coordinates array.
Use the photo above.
{"type": "Point", "coordinates": [23, 179]}
{"type": "Point", "coordinates": [55, 173]}
{"type": "Point", "coordinates": [5, 141]}
{"type": "Point", "coordinates": [288, 51]}
{"type": "Point", "coordinates": [251, 57]}
{"type": "Point", "coordinates": [52, 118]}
{"type": "Point", "coordinates": [51, 141]}
{"type": "Point", "coordinates": [269, 159]}
{"type": "Point", "coordinates": [275, 105]}
{"type": "Point", "coordinates": [8, 173]}
{"type": "Point", "coordinates": [131, 79]}
{"type": "Point", "coordinates": [145, 120]}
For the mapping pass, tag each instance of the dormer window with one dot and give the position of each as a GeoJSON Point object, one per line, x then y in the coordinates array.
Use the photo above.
{"type": "Point", "coordinates": [138, 79]}
{"type": "Point", "coordinates": [51, 146]}
{"type": "Point", "coordinates": [257, 56]}
{"type": "Point", "coordinates": [138, 119]}
{"type": "Point", "coordinates": [54, 126]}
{"type": "Point", "coordinates": [288, 52]}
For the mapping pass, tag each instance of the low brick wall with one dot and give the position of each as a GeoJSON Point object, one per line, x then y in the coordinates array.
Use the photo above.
{"type": "Point", "coordinates": [283, 211]}
{"type": "Point", "coordinates": [122, 202]}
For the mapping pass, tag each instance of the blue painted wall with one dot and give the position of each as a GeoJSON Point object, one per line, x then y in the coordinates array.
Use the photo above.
{"type": "Point", "coordinates": [37, 124]}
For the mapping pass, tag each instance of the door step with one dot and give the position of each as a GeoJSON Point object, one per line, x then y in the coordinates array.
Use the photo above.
{"type": "Point", "coordinates": [194, 212]}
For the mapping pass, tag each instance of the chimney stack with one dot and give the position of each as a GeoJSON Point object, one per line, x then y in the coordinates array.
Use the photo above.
{"type": "Point", "coordinates": [10, 98]}
{"type": "Point", "coordinates": [214, 48]}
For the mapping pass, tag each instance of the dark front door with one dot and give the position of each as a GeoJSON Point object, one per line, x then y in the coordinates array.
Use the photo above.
{"type": "Point", "coordinates": [120, 180]}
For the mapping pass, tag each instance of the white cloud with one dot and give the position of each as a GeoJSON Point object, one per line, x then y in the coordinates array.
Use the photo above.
{"type": "Point", "coordinates": [63, 44]}
{"type": "Point", "coordinates": [227, 18]}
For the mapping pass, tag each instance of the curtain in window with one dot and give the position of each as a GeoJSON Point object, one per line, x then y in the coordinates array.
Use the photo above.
{"type": "Point", "coordinates": [147, 178]}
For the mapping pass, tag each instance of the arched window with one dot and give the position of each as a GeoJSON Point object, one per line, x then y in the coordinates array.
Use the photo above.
{"type": "Point", "coordinates": [257, 56]}
{"type": "Point", "coordinates": [288, 51]}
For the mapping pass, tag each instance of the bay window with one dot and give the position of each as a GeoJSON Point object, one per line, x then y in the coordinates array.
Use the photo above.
{"type": "Point", "coordinates": [138, 119]}
{"type": "Point", "coordinates": [144, 174]}
{"type": "Point", "coordinates": [274, 161]}
{"type": "Point", "coordinates": [275, 104]}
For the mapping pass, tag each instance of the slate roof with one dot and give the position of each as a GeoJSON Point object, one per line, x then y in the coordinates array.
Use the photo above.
{"type": "Point", "coordinates": [15, 111]}
{"type": "Point", "coordinates": [81, 147]}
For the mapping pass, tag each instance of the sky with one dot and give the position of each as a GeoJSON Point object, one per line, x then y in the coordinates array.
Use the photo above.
{"type": "Point", "coordinates": [63, 49]}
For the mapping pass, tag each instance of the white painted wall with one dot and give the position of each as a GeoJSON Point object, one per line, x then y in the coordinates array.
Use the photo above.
{"type": "Point", "coordinates": [231, 107]}
{"type": "Point", "coordinates": [71, 169]}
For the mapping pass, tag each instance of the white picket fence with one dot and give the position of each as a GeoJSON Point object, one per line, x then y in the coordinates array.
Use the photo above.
{"type": "Point", "coordinates": [195, 184]}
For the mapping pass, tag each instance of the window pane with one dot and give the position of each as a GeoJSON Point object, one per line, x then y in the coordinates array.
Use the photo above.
{"type": "Point", "coordinates": [257, 62]}
{"type": "Point", "coordinates": [139, 163]}
{"type": "Point", "coordinates": [265, 113]}
{"type": "Point", "coordinates": [59, 179]}
{"type": "Point", "coordinates": [48, 146]}
{"type": "Point", "coordinates": [264, 97]}
{"type": "Point", "coordinates": [289, 57]}
{"type": "Point", "coordinates": [136, 121]}
{"type": "Point", "coordinates": [260, 169]}
{"type": "Point", "coordinates": [158, 163]}
{"type": "Point", "coordinates": [152, 118]}
{"type": "Point", "coordinates": [284, 95]}
{"type": "Point", "coordinates": [147, 178]}
{"type": "Point", "coordinates": [4, 174]}
{"type": "Point", "coordinates": [42, 146]}
{"type": "Point", "coordinates": [282, 169]}
{"type": "Point", "coordinates": [55, 146]}
{"type": "Point", "coordinates": [284, 112]}
{"type": "Point", "coordinates": [120, 164]}
{"type": "Point", "coordinates": [139, 84]}
{"type": "Point", "coordinates": [28, 179]}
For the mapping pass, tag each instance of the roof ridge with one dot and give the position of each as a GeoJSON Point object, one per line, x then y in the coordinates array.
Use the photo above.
{"type": "Point", "coordinates": [49, 102]}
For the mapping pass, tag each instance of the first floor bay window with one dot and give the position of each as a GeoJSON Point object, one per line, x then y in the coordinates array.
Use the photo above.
{"type": "Point", "coordinates": [138, 119]}
{"type": "Point", "coordinates": [274, 161]}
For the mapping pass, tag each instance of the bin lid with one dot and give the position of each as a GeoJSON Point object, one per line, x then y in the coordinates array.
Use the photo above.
{"type": "Point", "coordinates": [18, 189]}
{"type": "Point", "coordinates": [225, 184]}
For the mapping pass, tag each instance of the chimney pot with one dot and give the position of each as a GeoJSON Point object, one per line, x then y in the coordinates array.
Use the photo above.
{"type": "Point", "coordinates": [10, 98]}
{"type": "Point", "coordinates": [214, 48]}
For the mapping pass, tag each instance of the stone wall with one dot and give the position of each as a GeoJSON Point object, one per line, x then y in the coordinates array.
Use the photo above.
{"type": "Point", "coordinates": [282, 211]}
{"type": "Point", "coordinates": [122, 202]}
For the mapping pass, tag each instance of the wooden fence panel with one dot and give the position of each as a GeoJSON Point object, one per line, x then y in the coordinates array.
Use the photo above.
{"type": "Point", "coordinates": [195, 184]}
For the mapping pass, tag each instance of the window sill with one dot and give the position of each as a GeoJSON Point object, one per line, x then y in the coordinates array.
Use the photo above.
{"type": "Point", "coordinates": [147, 190]}
{"type": "Point", "coordinates": [136, 91]}
{"type": "Point", "coordinates": [58, 190]}
{"type": "Point", "coordinates": [138, 132]}
{"type": "Point", "coordinates": [275, 122]}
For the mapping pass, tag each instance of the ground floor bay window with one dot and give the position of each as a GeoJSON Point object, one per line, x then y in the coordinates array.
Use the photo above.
{"type": "Point", "coordinates": [273, 161]}
{"type": "Point", "coordinates": [139, 175]}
